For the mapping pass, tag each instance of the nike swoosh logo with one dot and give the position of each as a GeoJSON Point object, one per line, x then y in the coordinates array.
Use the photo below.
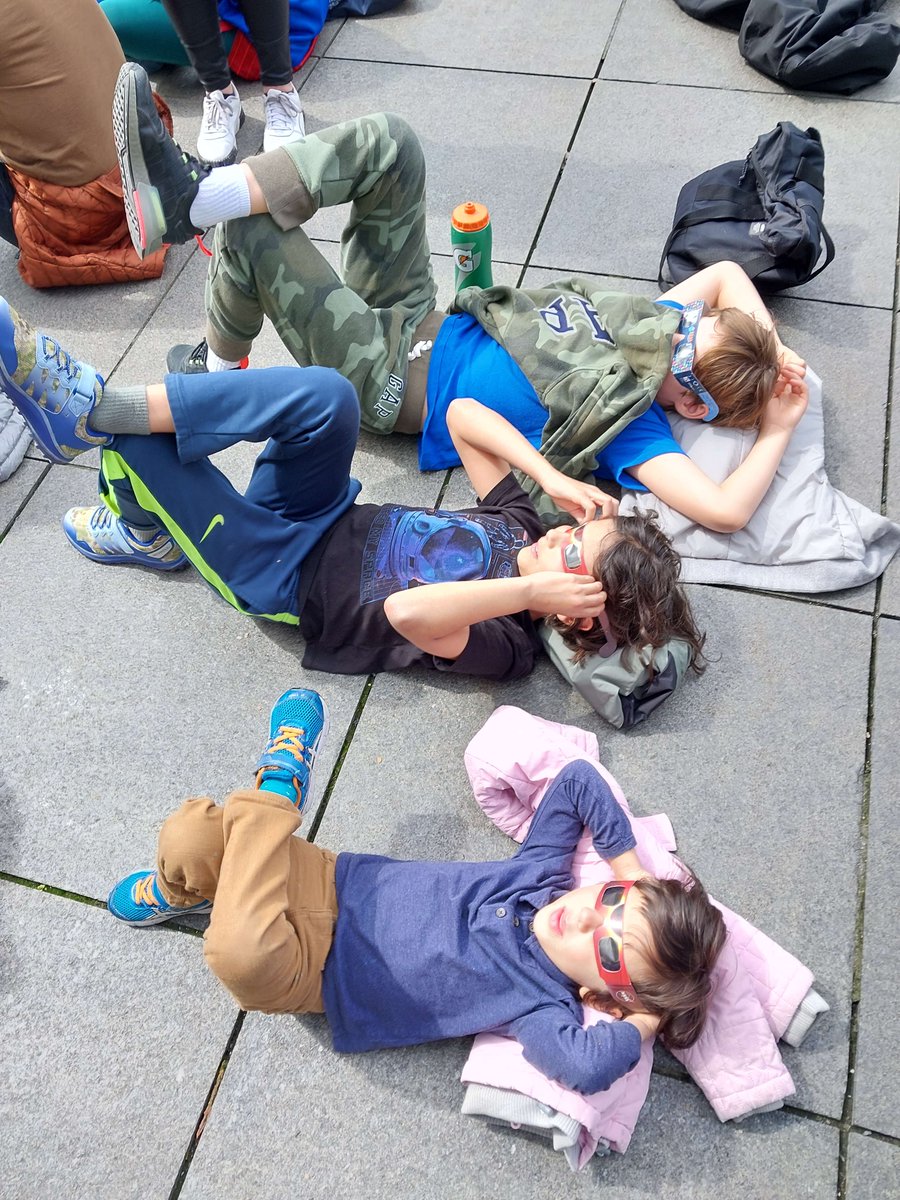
{"type": "Point", "coordinates": [218, 519]}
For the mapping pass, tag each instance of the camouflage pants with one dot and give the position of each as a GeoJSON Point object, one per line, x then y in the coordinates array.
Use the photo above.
{"type": "Point", "coordinates": [265, 265]}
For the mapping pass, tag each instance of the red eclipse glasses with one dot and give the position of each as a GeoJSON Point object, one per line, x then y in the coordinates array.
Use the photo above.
{"type": "Point", "coordinates": [573, 562]}
{"type": "Point", "coordinates": [608, 948]}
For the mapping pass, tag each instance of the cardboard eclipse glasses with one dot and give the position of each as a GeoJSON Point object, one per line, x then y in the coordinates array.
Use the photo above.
{"type": "Point", "coordinates": [574, 563]}
{"type": "Point", "coordinates": [683, 357]}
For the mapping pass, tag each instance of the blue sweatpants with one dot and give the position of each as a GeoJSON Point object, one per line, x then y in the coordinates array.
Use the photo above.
{"type": "Point", "coordinates": [248, 547]}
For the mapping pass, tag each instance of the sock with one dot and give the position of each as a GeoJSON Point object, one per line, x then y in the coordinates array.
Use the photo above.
{"type": "Point", "coordinates": [121, 410]}
{"type": "Point", "coordinates": [214, 363]}
{"type": "Point", "coordinates": [280, 782]}
{"type": "Point", "coordinates": [224, 193]}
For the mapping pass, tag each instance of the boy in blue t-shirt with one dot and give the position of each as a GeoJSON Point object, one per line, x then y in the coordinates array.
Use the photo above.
{"type": "Point", "coordinates": [570, 366]}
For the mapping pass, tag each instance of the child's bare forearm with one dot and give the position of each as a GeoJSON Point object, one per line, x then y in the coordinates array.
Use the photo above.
{"type": "Point", "coordinates": [476, 429]}
{"type": "Point", "coordinates": [746, 486]}
{"type": "Point", "coordinates": [438, 611]}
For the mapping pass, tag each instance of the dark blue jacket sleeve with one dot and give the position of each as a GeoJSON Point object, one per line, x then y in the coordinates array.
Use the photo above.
{"type": "Point", "coordinates": [579, 797]}
{"type": "Point", "coordinates": [586, 1060]}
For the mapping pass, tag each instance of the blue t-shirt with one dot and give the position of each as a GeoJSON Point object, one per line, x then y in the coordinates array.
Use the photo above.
{"type": "Point", "coordinates": [466, 361]}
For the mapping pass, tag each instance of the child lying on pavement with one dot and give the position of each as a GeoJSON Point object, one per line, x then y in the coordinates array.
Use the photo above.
{"type": "Point", "coordinates": [372, 587]}
{"type": "Point", "coordinates": [397, 952]}
{"type": "Point", "coordinates": [586, 374]}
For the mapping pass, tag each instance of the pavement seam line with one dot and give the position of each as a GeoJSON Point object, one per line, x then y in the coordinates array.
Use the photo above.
{"type": "Point", "coordinates": [26, 500]}
{"type": "Point", "coordinates": [846, 1121]}
{"type": "Point", "coordinates": [342, 754]}
{"type": "Point", "coordinates": [205, 1112]}
{"type": "Point", "coordinates": [50, 889]}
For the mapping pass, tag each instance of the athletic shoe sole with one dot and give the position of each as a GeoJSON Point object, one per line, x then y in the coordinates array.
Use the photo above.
{"type": "Point", "coordinates": [143, 210]}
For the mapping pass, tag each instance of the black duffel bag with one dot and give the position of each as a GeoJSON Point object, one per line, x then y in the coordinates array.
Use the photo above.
{"type": "Point", "coordinates": [764, 212]}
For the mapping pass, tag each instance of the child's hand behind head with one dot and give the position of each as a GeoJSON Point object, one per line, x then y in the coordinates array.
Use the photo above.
{"type": "Point", "coordinates": [789, 399]}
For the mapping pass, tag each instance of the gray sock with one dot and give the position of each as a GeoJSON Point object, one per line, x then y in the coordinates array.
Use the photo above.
{"type": "Point", "coordinates": [121, 410]}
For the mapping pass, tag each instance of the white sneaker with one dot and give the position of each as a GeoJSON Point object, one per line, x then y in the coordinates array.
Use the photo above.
{"type": "Point", "coordinates": [222, 118]}
{"type": "Point", "coordinates": [284, 119]}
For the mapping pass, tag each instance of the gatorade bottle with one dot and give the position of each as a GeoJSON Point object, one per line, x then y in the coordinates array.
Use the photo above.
{"type": "Point", "coordinates": [470, 236]}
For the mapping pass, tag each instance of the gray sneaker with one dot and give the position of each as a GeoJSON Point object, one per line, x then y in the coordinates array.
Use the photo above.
{"type": "Point", "coordinates": [191, 360]}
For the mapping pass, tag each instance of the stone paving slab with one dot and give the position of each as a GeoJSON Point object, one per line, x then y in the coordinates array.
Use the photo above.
{"type": "Point", "coordinates": [293, 1118]}
{"type": "Point", "coordinates": [639, 162]}
{"type": "Point", "coordinates": [890, 590]}
{"type": "Point", "coordinates": [877, 1095]}
{"type": "Point", "coordinates": [652, 37]}
{"type": "Point", "coordinates": [873, 1169]}
{"type": "Point", "coordinates": [535, 39]}
{"type": "Point", "coordinates": [112, 1037]}
{"type": "Point", "coordinates": [96, 324]}
{"type": "Point", "coordinates": [468, 153]}
{"type": "Point", "coordinates": [14, 491]}
{"type": "Point", "coordinates": [149, 687]}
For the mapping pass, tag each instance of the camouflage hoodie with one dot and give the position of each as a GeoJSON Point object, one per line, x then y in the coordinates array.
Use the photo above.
{"type": "Point", "coordinates": [595, 358]}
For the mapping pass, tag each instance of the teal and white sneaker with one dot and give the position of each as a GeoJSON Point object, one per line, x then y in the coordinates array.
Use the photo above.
{"type": "Point", "coordinates": [298, 723]}
{"type": "Point", "coordinates": [137, 900]}
{"type": "Point", "coordinates": [53, 391]}
{"type": "Point", "coordinates": [100, 535]}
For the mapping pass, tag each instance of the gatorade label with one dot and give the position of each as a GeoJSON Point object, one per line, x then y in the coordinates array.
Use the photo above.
{"type": "Point", "coordinates": [466, 257]}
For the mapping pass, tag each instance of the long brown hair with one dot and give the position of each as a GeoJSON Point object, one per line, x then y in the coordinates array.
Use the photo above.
{"type": "Point", "coordinates": [688, 936]}
{"type": "Point", "coordinates": [646, 605]}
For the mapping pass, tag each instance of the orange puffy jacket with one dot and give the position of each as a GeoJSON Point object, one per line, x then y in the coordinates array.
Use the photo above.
{"type": "Point", "coordinates": [78, 235]}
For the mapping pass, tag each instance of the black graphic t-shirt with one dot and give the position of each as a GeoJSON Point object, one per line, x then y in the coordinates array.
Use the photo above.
{"type": "Point", "coordinates": [374, 550]}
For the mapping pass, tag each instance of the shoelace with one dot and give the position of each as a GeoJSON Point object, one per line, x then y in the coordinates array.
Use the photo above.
{"type": "Point", "coordinates": [290, 738]}
{"type": "Point", "coordinates": [52, 349]}
{"type": "Point", "coordinates": [215, 112]}
{"type": "Point", "coordinates": [102, 519]}
{"type": "Point", "coordinates": [199, 352]}
{"type": "Point", "coordinates": [143, 892]}
{"type": "Point", "coordinates": [281, 114]}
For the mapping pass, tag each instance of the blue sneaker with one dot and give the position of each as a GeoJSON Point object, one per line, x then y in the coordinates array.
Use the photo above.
{"type": "Point", "coordinates": [99, 534]}
{"type": "Point", "coordinates": [137, 900]}
{"type": "Point", "coordinates": [298, 723]}
{"type": "Point", "coordinates": [53, 392]}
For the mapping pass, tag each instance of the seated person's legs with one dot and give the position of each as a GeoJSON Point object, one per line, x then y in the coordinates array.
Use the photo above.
{"type": "Point", "coordinates": [274, 902]}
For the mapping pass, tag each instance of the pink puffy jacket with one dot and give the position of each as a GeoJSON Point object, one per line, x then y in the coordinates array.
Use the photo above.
{"type": "Point", "coordinates": [758, 986]}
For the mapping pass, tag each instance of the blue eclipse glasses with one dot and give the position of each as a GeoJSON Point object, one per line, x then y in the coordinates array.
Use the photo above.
{"type": "Point", "coordinates": [683, 357]}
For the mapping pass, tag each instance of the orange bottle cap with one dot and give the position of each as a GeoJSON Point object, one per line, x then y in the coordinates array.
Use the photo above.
{"type": "Point", "coordinates": [470, 216]}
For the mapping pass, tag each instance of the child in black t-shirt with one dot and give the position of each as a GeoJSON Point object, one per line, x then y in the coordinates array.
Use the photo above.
{"type": "Point", "coordinates": [372, 587]}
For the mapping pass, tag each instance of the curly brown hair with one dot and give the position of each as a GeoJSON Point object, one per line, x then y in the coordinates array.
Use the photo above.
{"type": "Point", "coordinates": [645, 606]}
{"type": "Point", "coordinates": [740, 372]}
{"type": "Point", "coordinates": [688, 936]}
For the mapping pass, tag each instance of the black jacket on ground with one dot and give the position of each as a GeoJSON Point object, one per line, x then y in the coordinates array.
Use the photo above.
{"type": "Point", "coordinates": [826, 45]}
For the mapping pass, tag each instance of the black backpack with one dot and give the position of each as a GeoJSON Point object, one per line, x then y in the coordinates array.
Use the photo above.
{"type": "Point", "coordinates": [763, 212]}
